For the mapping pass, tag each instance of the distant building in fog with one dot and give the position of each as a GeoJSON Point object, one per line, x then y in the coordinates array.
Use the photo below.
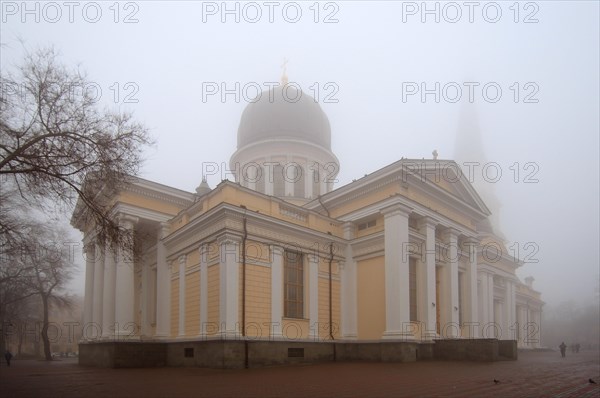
{"type": "Point", "coordinates": [405, 253]}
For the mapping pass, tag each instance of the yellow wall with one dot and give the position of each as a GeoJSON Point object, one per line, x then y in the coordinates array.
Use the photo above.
{"type": "Point", "coordinates": [213, 297]}
{"type": "Point", "coordinates": [440, 207]}
{"type": "Point", "coordinates": [258, 300]}
{"type": "Point", "coordinates": [192, 304]}
{"type": "Point", "coordinates": [368, 199]}
{"type": "Point", "coordinates": [324, 308]}
{"type": "Point", "coordinates": [371, 298]}
{"type": "Point", "coordinates": [295, 329]}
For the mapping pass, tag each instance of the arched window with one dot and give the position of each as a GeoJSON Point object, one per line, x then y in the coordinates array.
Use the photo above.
{"type": "Point", "coordinates": [316, 183]}
{"type": "Point", "coordinates": [278, 181]}
{"type": "Point", "coordinates": [260, 180]}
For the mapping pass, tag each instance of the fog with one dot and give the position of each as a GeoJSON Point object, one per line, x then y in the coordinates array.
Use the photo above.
{"type": "Point", "coordinates": [512, 86]}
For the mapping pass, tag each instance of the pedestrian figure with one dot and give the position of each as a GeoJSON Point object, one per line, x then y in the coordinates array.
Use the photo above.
{"type": "Point", "coordinates": [577, 347]}
{"type": "Point", "coordinates": [7, 356]}
{"type": "Point", "coordinates": [563, 349]}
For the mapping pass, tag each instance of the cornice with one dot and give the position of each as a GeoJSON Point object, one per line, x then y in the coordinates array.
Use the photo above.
{"type": "Point", "coordinates": [398, 173]}
{"type": "Point", "coordinates": [161, 192]}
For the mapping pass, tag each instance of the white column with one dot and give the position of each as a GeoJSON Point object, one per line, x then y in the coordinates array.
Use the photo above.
{"type": "Point", "coordinates": [88, 301]}
{"type": "Point", "coordinates": [521, 325]}
{"type": "Point", "coordinates": [125, 288]}
{"type": "Point", "coordinates": [427, 285]}
{"type": "Point", "coordinates": [472, 310]}
{"type": "Point", "coordinates": [538, 331]}
{"type": "Point", "coordinates": [510, 334]}
{"type": "Point", "coordinates": [313, 300]}
{"type": "Point", "coordinates": [276, 292]}
{"type": "Point", "coordinates": [229, 287]}
{"type": "Point", "coordinates": [449, 314]}
{"type": "Point", "coordinates": [489, 301]}
{"type": "Point", "coordinates": [108, 306]}
{"type": "Point", "coordinates": [483, 304]}
{"type": "Point", "coordinates": [163, 286]}
{"type": "Point", "coordinates": [182, 260]}
{"type": "Point", "coordinates": [348, 288]}
{"type": "Point", "coordinates": [203, 288]}
{"type": "Point", "coordinates": [145, 304]}
{"type": "Point", "coordinates": [98, 286]}
{"type": "Point", "coordinates": [397, 296]}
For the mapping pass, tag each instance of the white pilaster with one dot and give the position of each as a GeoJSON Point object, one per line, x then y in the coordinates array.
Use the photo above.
{"type": "Point", "coordinates": [472, 310]}
{"type": "Point", "coordinates": [203, 288]}
{"type": "Point", "coordinates": [125, 288]}
{"type": "Point", "coordinates": [276, 291]}
{"type": "Point", "coordinates": [427, 286]}
{"type": "Point", "coordinates": [313, 283]}
{"type": "Point", "coordinates": [182, 260]}
{"type": "Point", "coordinates": [98, 286]}
{"type": "Point", "coordinates": [108, 306]}
{"type": "Point", "coordinates": [229, 287]}
{"type": "Point", "coordinates": [88, 301]}
{"type": "Point", "coordinates": [450, 327]}
{"type": "Point", "coordinates": [163, 286]}
{"type": "Point", "coordinates": [397, 296]}
{"type": "Point", "coordinates": [348, 287]}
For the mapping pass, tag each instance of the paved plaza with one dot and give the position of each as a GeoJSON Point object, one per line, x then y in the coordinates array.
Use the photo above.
{"type": "Point", "coordinates": [535, 374]}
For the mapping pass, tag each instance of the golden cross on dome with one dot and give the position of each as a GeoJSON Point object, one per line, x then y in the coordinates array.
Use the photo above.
{"type": "Point", "coordinates": [284, 78]}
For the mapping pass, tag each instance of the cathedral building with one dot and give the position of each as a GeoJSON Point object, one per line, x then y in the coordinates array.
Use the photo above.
{"type": "Point", "coordinates": [279, 264]}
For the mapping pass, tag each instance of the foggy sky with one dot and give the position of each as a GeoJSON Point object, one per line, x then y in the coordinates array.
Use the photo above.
{"type": "Point", "coordinates": [372, 55]}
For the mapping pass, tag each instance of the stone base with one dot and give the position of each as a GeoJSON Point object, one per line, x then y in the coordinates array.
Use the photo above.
{"type": "Point", "coordinates": [236, 354]}
{"type": "Point", "coordinates": [488, 350]}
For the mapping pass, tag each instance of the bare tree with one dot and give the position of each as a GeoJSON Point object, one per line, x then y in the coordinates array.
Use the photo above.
{"type": "Point", "coordinates": [50, 267]}
{"type": "Point", "coordinates": [58, 147]}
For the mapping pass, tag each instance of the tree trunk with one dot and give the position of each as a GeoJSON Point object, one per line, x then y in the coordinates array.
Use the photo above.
{"type": "Point", "coordinates": [45, 339]}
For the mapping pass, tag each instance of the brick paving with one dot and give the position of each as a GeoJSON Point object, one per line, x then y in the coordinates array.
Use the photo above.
{"type": "Point", "coordinates": [535, 374]}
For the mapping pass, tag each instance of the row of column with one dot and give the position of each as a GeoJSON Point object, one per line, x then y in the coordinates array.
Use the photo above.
{"type": "Point", "coordinates": [498, 312]}
{"type": "Point", "coordinates": [109, 289]}
{"type": "Point", "coordinates": [291, 178]}
{"type": "Point", "coordinates": [397, 289]}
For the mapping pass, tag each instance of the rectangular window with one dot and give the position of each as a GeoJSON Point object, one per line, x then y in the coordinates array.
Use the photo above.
{"type": "Point", "coordinates": [188, 352]}
{"type": "Point", "coordinates": [299, 181]}
{"type": "Point", "coordinates": [412, 286]}
{"type": "Point", "coordinates": [368, 224]}
{"type": "Point", "coordinates": [293, 285]}
{"type": "Point", "coordinates": [278, 181]}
